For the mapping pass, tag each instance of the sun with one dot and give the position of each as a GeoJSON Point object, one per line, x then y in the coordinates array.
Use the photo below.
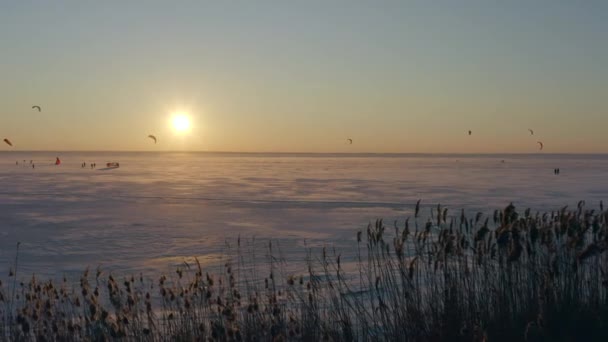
{"type": "Point", "coordinates": [181, 122]}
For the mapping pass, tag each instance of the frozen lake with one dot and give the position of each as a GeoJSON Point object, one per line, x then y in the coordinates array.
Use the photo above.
{"type": "Point", "coordinates": [159, 208]}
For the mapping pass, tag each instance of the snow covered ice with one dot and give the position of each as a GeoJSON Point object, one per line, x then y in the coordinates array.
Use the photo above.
{"type": "Point", "coordinates": [159, 208]}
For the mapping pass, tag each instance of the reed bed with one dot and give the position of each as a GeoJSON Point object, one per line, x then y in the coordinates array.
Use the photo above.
{"type": "Point", "coordinates": [507, 276]}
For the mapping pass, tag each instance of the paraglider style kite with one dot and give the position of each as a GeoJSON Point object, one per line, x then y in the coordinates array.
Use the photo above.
{"type": "Point", "coordinates": [37, 107]}
{"type": "Point", "coordinates": [531, 131]}
{"type": "Point", "coordinates": [9, 143]}
{"type": "Point", "coordinates": [470, 132]}
{"type": "Point", "coordinates": [152, 137]}
{"type": "Point", "coordinates": [350, 141]}
{"type": "Point", "coordinates": [541, 144]}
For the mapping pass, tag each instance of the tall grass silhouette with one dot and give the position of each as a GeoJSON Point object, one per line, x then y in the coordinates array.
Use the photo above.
{"type": "Point", "coordinates": [502, 277]}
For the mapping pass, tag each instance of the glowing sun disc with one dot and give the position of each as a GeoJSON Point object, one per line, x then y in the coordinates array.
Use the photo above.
{"type": "Point", "coordinates": [181, 123]}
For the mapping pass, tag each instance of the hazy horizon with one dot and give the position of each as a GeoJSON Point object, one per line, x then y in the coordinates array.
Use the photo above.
{"type": "Point", "coordinates": [536, 154]}
{"type": "Point", "coordinates": [269, 76]}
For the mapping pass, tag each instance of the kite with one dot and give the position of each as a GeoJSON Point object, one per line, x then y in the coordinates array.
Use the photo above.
{"type": "Point", "coordinates": [531, 131]}
{"type": "Point", "coordinates": [37, 107]}
{"type": "Point", "coordinates": [541, 144]}
{"type": "Point", "coordinates": [350, 141]}
{"type": "Point", "coordinates": [8, 142]}
{"type": "Point", "coordinates": [152, 137]}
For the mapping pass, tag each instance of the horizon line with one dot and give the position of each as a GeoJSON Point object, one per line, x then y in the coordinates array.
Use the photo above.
{"type": "Point", "coordinates": [309, 153]}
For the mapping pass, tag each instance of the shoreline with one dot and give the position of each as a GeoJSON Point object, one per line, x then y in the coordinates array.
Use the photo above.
{"type": "Point", "coordinates": [502, 276]}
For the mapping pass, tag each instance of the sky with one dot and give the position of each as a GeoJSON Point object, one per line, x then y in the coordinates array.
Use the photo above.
{"type": "Point", "coordinates": [304, 76]}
